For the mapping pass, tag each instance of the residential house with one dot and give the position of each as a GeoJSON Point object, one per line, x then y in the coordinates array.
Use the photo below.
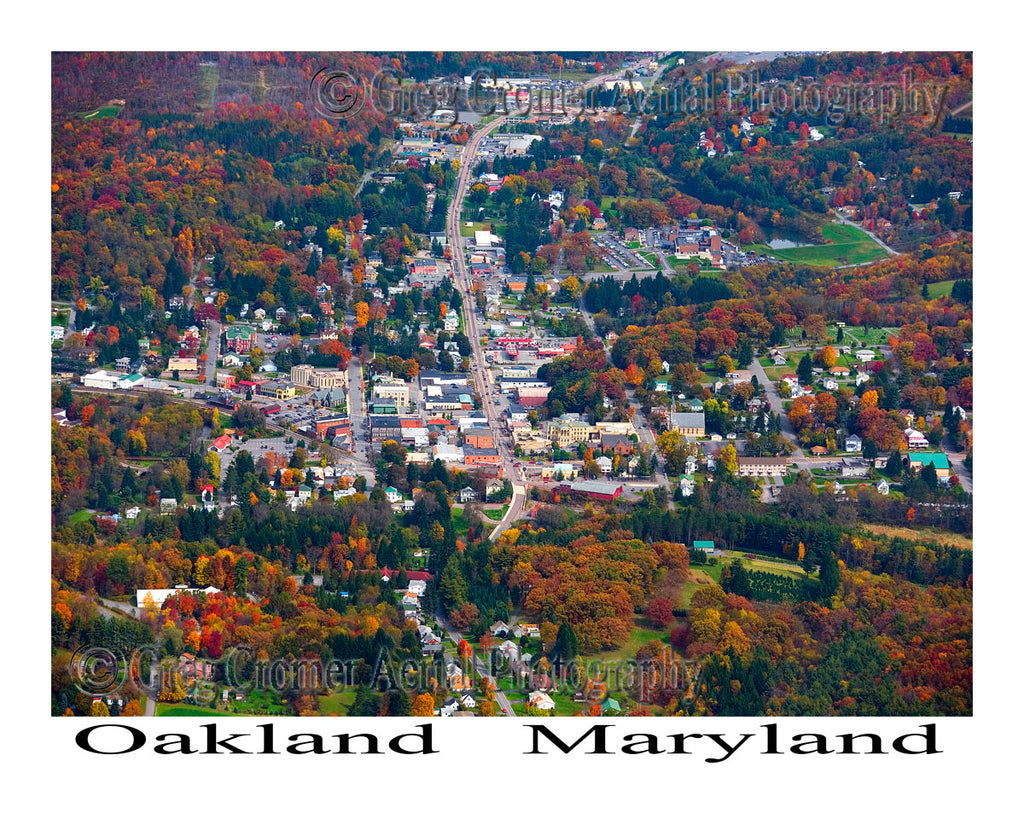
{"type": "Point", "coordinates": [853, 443]}
{"type": "Point", "coordinates": [915, 439]}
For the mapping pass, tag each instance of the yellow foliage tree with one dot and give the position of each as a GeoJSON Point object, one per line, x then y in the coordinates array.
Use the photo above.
{"type": "Point", "coordinates": [423, 706]}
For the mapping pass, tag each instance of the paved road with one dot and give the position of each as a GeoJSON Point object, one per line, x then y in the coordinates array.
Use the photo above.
{"type": "Point", "coordinates": [956, 461]}
{"type": "Point", "coordinates": [212, 352]}
{"type": "Point", "coordinates": [843, 220]}
{"type": "Point", "coordinates": [356, 411]}
{"type": "Point", "coordinates": [479, 666]}
{"type": "Point", "coordinates": [481, 374]}
{"type": "Point", "coordinates": [775, 402]}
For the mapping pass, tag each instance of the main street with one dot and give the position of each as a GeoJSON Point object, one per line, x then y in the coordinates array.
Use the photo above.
{"type": "Point", "coordinates": [482, 379]}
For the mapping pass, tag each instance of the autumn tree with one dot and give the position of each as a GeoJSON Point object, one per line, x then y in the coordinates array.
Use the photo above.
{"type": "Point", "coordinates": [659, 611]}
{"type": "Point", "coordinates": [423, 706]}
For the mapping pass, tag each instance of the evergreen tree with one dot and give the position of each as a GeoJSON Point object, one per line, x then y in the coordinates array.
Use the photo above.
{"type": "Point", "coordinates": [804, 370]}
{"type": "Point", "coordinates": [744, 352]}
{"type": "Point", "coordinates": [566, 644]}
{"type": "Point", "coordinates": [128, 487]}
{"type": "Point", "coordinates": [829, 576]}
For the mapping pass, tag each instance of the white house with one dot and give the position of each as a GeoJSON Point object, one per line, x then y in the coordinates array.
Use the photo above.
{"type": "Point", "coordinates": [541, 701]}
{"type": "Point", "coordinates": [853, 443]}
{"type": "Point", "coordinates": [865, 355]}
{"type": "Point", "coordinates": [605, 463]}
{"type": "Point", "coordinates": [686, 487]}
{"type": "Point", "coordinates": [393, 495]}
{"type": "Point", "coordinates": [132, 513]}
{"type": "Point", "coordinates": [883, 487]}
{"type": "Point", "coordinates": [915, 439]}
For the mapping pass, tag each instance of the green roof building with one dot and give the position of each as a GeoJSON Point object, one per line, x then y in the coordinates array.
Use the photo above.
{"type": "Point", "coordinates": [704, 545]}
{"type": "Point", "coordinates": [923, 459]}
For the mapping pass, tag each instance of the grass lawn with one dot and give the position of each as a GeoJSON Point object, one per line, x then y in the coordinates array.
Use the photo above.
{"type": "Point", "coordinates": [698, 577]}
{"type": "Point", "coordinates": [339, 703]}
{"type": "Point", "coordinates": [103, 111]}
{"type": "Point", "coordinates": [763, 564]}
{"type": "Point", "coordinates": [705, 268]}
{"type": "Point", "coordinates": [609, 201]}
{"type": "Point", "coordinates": [79, 516]}
{"type": "Point", "coordinates": [936, 289]}
{"type": "Point", "coordinates": [844, 244]}
{"type": "Point", "coordinates": [181, 709]}
{"type": "Point", "coordinates": [496, 514]}
{"type": "Point", "coordinates": [922, 533]}
{"type": "Point", "coordinates": [469, 230]}
{"type": "Point", "coordinates": [650, 257]}
{"type": "Point", "coordinates": [639, 636]}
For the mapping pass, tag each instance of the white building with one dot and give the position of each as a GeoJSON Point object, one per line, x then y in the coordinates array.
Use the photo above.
{"type": "Point", "coordinates": [101, 380]}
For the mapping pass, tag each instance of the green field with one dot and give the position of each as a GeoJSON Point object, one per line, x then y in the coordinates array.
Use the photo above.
{"type": "Point", "coordinates": [761, 564]}
{"type": "Point", "coordinates": [470, 230]}
{"type": "Point", "coordinates": [339, 703]}
{"type": "Point", "coordinates": [101, 112]}
{"type": "Point", "coordinates": [650, 257]}
{"type": "Point", "coordinates": [844, 244]}
{"type": "Point", "coordinates": [608, 202]}
{"type": "Point", "coordinates": [80, 516]}
{"type": "Point", "coordinates": [641, 635]}
{"type": "Point", "coordinates": [936, 289]}
{"type": "Point", "coordinates": [181, 709]}
{"type": "Point", "coordinates": [496, 514]}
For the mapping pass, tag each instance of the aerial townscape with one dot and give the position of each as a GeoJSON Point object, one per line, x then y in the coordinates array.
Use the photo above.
{"type": "Point", "coordinates": [627, 408]}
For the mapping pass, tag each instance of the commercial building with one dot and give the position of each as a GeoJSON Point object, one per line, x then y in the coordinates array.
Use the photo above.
{"type": "Point", "coordinates": [277, 390]}
{"type": "Point", "coordinates": [101, 380]}
{"type": "Point", "coordinates": [396, 390]}
{"type": "Point", "coordinates": [473, 456]}
{"type": "Point", "coordinates": [595, 490]}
